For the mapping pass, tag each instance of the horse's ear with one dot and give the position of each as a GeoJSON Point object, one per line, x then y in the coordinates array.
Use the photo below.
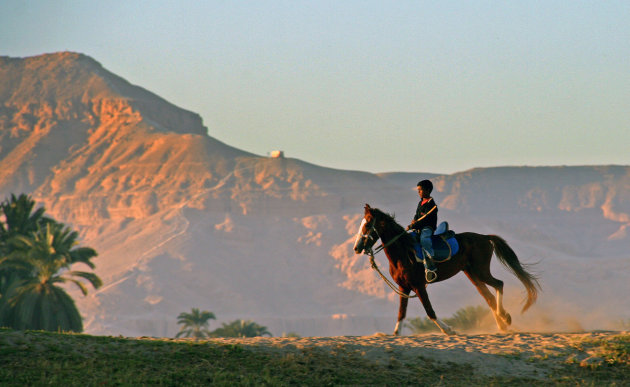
{"type": "Point", "coordinates": [367, 208]}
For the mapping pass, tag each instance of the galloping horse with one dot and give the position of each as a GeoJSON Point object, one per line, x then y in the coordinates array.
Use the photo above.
{"type": "Point", "coordinates": [473, 258]}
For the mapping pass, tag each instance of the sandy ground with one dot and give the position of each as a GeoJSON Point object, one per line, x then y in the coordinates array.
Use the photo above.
{"type": "Point", "coordinates": [489, 354]}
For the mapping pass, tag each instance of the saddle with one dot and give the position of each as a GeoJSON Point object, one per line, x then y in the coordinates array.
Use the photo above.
{"type": "Point", "coordinates": [444, 243]}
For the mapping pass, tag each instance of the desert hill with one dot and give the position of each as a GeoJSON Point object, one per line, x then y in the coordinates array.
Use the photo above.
{"type": "Point", "coordinates": [182, 220]}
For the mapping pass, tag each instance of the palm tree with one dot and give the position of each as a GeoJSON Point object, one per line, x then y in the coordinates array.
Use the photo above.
{"type": "Point", "coordinates": [195, 323]}
{"type": "Point", "coordinates": [19, 219]}
{"type": "Point", "coordinates": [42, 260]}
{"type": "Point", "coordinates": [241, 328]}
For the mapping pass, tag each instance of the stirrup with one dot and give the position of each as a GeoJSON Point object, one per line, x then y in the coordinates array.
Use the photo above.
{"type": "Point", "coordinates": [430, 275]}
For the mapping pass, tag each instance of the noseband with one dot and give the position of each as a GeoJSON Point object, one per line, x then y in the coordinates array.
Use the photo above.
{"type": "Point", "coordinates": [367, 238]}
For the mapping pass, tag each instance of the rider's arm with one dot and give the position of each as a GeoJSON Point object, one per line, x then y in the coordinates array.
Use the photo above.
{"type": "Point", "coordinates": [418, 224]}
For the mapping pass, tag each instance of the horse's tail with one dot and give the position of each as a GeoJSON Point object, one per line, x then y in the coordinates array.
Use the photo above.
{"type": "Point", "coordinates": [508, 258]}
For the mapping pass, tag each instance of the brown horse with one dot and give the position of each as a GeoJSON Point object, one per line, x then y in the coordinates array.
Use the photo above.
{"type": "Point", "coordinates": [473, 258]}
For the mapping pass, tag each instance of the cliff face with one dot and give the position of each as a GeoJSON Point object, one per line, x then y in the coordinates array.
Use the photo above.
{"type": "Point", "coordinates": [70, 130]}
{"type": "Point", "coordinates": [182, 220]}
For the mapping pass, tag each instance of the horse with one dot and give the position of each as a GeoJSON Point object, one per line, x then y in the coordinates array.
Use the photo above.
{"type": "Point", "coordinates": [473, 258]}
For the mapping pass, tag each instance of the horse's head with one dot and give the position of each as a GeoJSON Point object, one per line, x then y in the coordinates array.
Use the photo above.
{"type": "Point", "coordinates": [367, 235]}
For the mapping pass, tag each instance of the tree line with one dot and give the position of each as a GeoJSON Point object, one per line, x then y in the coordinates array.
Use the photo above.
{"type": "Point", "coordinates": [37, 255]}
{"type": "Point", "coordinates": [196, 323]}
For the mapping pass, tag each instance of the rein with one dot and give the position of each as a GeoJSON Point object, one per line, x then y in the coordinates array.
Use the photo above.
{"type": "Point", "coordinates": [375, 267]}
{"type": "Point", "coordinates": [384, 246]}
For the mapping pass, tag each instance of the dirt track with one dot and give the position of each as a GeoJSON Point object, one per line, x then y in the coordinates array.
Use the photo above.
{"type": "Point", "coordinates": [489, 354]}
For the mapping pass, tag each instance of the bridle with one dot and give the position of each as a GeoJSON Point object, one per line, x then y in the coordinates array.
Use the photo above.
{"type": "Point", "coordinates": [367, 249]}
{"type": "Point", "coordinates": [368, 238]}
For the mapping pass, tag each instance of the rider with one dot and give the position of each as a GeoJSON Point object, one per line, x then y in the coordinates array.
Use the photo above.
{"type": "Point", "coordinates": [424, 224]}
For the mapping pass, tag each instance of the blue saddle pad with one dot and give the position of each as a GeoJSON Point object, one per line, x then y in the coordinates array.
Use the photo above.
{"type": "Point", "coordinates": [444, 249]}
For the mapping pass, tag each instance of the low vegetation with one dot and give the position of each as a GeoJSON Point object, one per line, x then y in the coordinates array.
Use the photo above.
{"type": "Point", "coordinates": [195, 324]}
{"type": "Point", "coordinates": [466, 319]}
{"type": "Point", "coordinates": [240, 328]}
{"type": "Point", "coordinates": [37, 358]}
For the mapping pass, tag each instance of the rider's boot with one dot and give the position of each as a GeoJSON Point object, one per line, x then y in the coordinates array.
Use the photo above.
{"type": "Point", "coordinates": [430, 271]}
{"type": "Point", "coordinates": [418, 253]}
{"type": "Point", "coordinates": [427, 247]}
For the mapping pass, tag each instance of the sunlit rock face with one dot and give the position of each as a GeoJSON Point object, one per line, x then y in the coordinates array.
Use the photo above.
{"type": "Point", "coordinates": [182, 220]}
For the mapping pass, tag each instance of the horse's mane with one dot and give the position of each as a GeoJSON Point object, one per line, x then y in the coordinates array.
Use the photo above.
{"type": "Point", "coordinates": [393, 224]}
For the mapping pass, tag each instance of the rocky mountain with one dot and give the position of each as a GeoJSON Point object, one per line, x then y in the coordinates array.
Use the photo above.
{"type": "Point", "coordinates": [183, 220]}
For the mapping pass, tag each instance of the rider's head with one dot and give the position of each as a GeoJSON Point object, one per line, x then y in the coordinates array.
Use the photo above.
{"type": "Point", "coordinates": [426, 186]}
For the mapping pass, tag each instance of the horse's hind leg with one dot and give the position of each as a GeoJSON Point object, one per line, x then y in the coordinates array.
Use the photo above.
{"type": "Point", "coordinates": [498, 286]}
{"type": "Point", "coordinates": [402, 311]}
{"type": "Point", "coordinates": [500, 311]}
{"type": "Point", "coordinates": [501, 317]}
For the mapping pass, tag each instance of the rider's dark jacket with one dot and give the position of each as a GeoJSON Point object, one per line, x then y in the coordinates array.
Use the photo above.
{"type": "Point", "coordinates": [426, 215]}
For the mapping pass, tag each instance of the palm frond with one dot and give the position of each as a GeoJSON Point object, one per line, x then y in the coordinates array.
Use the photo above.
{"type": "Point", "coordinates": [92, 278]}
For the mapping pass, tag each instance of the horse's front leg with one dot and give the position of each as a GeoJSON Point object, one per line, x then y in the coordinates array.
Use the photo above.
{"type": "Point", "coordinates": [424, 298]}
{"type": "Point", "coordinates": [402, 310]}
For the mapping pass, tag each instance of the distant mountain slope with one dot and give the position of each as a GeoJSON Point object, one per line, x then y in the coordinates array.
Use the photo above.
{"type": "Point", "coordinates": [585, 208]}
{"type": "Point", "coordinates": [407, 179]}
{"type": "Point", "coordinates": [570, 189]}
{"type": "Point", "coordinates": [183, 220]}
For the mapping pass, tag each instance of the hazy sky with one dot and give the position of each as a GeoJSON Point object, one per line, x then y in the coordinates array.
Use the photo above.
{"type": "Point", "coordinates": [439, 86]}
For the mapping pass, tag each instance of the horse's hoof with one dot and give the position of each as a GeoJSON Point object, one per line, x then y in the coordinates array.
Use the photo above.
{"type": "Point", "coordinates": [508, 319]}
